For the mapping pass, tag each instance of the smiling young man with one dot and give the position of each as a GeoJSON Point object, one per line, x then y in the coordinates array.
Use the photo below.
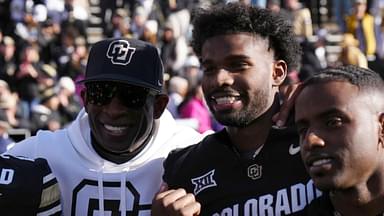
{"type": "Point", "coordinates": [109, 160]}
{"type": "Point", "coordinates": [340, 118]}
{"type": "Point", "coordinates": [250, 167]}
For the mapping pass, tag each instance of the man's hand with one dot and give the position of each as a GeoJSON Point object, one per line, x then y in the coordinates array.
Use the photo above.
{"type": "Point", "coordinates": [289, 94]}
{"type": "Point", "coordinates": [174, 202]}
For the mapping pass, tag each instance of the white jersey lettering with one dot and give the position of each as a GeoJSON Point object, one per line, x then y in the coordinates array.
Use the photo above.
{"type": "Point", "coordinates": [265, 203]}
{"type": "Point", "coordinates": [250, 207]}
{"type": "Point", "coordinates": [6, 176]}
{"type": "Point", "coordinates": [284, 202]}
{"type": "Point", "coordinates": [298, 197]}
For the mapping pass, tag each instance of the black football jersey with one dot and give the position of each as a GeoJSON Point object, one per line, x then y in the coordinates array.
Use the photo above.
{"type": "Point", "coordinates": [274, 182]}
{"type": "Point", "coordinates": [27, 187]}
{"type": "Point", "coordinates": [321, 206]}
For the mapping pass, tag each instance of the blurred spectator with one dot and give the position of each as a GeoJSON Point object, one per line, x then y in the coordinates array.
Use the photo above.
{"type": "Point", "coordinates": [47, 76]}
{"type": "Point", "coordinates": [120, 25]}
{"type": "Point", "coordinates": [9, 105]}
{"type": "Point", "coordinates": [5, 140]}
{"type": "Point", "coordinates": [56, 10]}
{"type": "Point", "coordinates": [152, 10]}
{"type": "Point", "coordinates": [193, 106]}
{"type": "Point", "coordinates": [180, 22]}
{"type": "Point", "coordinates": [341, 8]}
{"type": "Point", "coordinates": [19, 8]}
{"type": "Point", "coordinates": [27, 26]}
{"type": "Point", "coordinates": [171, 6]}
{"type": "Point", "coordinates": [259, 3]}
{"type": "Point", "coordinates": [45, 115]}
{"type": "Point", "coordinates": [147, 6]}
{"type": "Point", "coordinates": [6, 24]}
{"type": "Point", "coordinates": [275, 6]}
{"type": "Point", "coordinates": [310, 63]}
{"type": "Point", "coordinates": [139, 19]}
{"type": "Point", "coordinates": [75, 67]}
{"type": "Point", "coordinates": [173, 49]}
{"type": "Point", "coordinates": [177, 90]}
{"type": "Point", "coordinates": [362, 26]}
{"type": "Point", "coordinates": [377, 10]}
{"type": "Point", "coordinates": [48, 40]}
{"type": "Point", "coordinates": [150, 32]}
{"type": "Point", "coordinates": [351, 54]}
{"type": "Point", "coordinates": [7, 59]}
{"type": "Point", "coordinates": [320, 47]}
{"type": "Point", "coordinates": [26, 76]}
{"type": "Point", "coordinates": [63, 53]}
{"type": "Point", "coordinates": [191, 70]}
{"type": "Point", "coordinates": [76, 16]}
{"type": "Point", "coordinates": [70, 103]}
{"type": "Point", "coordinates": [301, 19]}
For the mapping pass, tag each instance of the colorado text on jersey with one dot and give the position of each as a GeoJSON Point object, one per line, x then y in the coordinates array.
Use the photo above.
{"type": "Point", "coordinates": [284, 202]}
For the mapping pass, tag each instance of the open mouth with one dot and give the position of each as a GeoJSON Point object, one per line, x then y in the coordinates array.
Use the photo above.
{"type": "Point", "coordinates": [225, 99]}
{"type": "Point", "coordinates": [226, 102]}
{"type": "Point", "coordinates": [115, 130]}
{"type": "Point", "coordinates": [319, 164]}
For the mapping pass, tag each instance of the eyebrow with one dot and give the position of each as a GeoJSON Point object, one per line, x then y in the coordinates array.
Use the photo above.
{"type": "Point", "coordinates": [323, 114]}
{"type": "Point", "coordinates": [230, 57]}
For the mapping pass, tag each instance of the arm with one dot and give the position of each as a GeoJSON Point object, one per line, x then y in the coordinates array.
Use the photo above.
{"type": "Point", "coordinates": [50, 194]}
{"type": "Point", "coordinates": [170, 202]}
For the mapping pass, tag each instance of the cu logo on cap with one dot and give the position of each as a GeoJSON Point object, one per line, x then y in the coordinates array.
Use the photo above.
{"type": "Point", "coordinates": [120, 52]}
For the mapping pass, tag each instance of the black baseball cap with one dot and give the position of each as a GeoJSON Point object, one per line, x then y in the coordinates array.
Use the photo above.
{"type": "Point", "coordinates": [124, 60]}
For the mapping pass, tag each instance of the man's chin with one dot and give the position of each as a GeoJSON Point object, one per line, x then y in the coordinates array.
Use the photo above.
{"type": "Point", "coordinates": [324, 185]}
{"type": "Point", "coordinates": [232, 121]}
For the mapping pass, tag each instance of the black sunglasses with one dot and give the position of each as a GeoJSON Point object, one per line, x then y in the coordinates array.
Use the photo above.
{"type": "Point", "coordinates": [101, 93]}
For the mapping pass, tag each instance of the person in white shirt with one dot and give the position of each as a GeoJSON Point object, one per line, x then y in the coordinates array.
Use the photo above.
{"type": "Point", "coordinates": [109, 160]}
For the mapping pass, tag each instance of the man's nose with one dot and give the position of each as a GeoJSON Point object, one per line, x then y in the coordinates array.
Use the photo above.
{"type": "Point", "coordinates": [313, 140]}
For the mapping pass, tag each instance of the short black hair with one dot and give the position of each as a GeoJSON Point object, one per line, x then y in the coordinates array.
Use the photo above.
{"type": "Point", "coordinates": [363, 78]}
{"type": "Point", "coordinates": [233, 18]}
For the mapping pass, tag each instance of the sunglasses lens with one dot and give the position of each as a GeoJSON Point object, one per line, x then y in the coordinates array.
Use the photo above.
{"type": "Point", "coordinates": [101, 93]}
{"type": "Point", "coordinates": [134, 97]}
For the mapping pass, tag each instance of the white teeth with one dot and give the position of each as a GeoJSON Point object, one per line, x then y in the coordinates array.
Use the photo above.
{"type": "Point", "coordinates": [115, 129]}
{"type": "Point", "coordinates": [321, 162]}
{"type": "Point", "coordinates": [225, 100]}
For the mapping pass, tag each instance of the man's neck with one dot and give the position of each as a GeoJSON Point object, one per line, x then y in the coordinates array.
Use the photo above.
{"type": "Point", "coordinates": [365, 199]}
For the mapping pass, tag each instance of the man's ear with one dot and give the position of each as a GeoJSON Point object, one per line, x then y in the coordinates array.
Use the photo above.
{"type": "Point", "coordinates": [381, 129]}
{"type": "Point", "coordinates": [161, 102]}
{"type": "Point", "coordinates": [83, 96]}
{"type": "Point", "coordinates": [280, 70]}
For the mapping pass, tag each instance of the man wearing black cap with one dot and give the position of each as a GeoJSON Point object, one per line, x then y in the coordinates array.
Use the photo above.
{"type": "Point", "coordinates": [109, 160]}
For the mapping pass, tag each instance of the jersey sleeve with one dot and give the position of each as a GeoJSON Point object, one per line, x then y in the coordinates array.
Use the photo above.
{"type": "Point", "coordinates": [50, 194]}
{"type": "Point", "coordinates": [168, 167]}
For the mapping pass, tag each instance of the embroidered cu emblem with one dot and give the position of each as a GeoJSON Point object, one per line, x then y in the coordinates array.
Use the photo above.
{"type": "Point", "coordinates": [203, 182]}
{"type": "Point", "coordinates": [255, 171]}
{"type": "Point", "coordinates": [120, 52]}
